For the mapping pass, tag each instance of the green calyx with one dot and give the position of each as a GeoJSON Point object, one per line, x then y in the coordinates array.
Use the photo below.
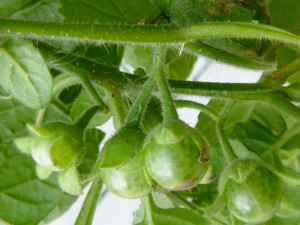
{"type": "Point", "coordinates": [122, 164]}
{"type": "Point", "coordinates": [173, 158]}
{"type": "Point", "coordinates": [56, 147]}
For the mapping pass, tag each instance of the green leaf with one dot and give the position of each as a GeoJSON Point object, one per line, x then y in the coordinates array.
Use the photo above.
{"type": "Point", "coordinates": [83, 103]}
{"type": "Point", "coordinates": [173, 216]}
{"type": "Point", "coordinates": [24, 199]}
{"type": "Point", "coordinates": [69, 181]}
{"type": "Point", "coordinates": [93, 138]}
{"type": "Point", "coordinates": [65, 203]}
{"type": "Point", "coordinates": [179, 66]}
{"type": "Point", "coordinates": [11, 123]}
{"type": "Point", "coordinates": [285, 15]}
{"type": "Point", "coordinates": [291, 159]}
{"type": "Point", "coordinates": [138, 57]}
{"type": "Point", "coordinates": [109, 11]}
{"type": "Point", "coordinates": [34, 10]}
{"type": "Point", "coordinates": [24, 74]}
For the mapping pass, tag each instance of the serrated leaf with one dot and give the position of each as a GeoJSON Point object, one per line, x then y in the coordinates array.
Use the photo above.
{"type": "Point", "coordinates": [109, 11]}
{"type": "Point", "coordinates": [24, 199]}
{"type": "Point", "coordinates": [24, 74]}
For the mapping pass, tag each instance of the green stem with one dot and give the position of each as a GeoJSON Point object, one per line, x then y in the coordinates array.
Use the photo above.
{"type": "Point", "coordinates": [87, 211]}
{"type": "Point", "coordinates": [294, 130]}
{"type": "Point", "coordinates": [139, 105]}
{"type": "Point", "coordinates": [140, 34]}
{"type": "Point", "coordinates": [280, 103]}
{"type": "Point", "coordinates": [200, 48]}
{"type": "Point", "coordinates": [227, 149]}
{"type": "Point", "coordinates": [40, 117]}
{"type": "Point", "coordinates": [111, 76]}
{"type": "Point", "coordinates": [280, 76]}
{"type": "Point", "coordinates": [92, 91]}
{"type": "Point", "coordinates": [85, 119]}
{"type": "Point", "coordinates": [63, 81]}
{"type": "Point", "coordinates": [148, 204]}
{"type": "Point", "coordinates": [194, 105]}
{"type": "Point", "coordinates": [169, 108]}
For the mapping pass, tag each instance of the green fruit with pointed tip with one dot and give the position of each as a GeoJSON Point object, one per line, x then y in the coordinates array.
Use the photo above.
{"type": "Point", "coordinates": [122, 164]}
{"type": "Point", "coordinates": [172, 156]}
{"type": "Point", "coordinates": [256, 199]}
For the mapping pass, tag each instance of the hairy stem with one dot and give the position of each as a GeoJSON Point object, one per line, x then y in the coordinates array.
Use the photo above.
{"type": "Point", "coordinates": [139, 105]}
{"type": "Point", "coordinates": [87, 211]}
{"type": "Point", "coordinates": [246, 62]}
{"type": "Point", "coordinates": [169, 109]}
{"type": "Point", "coordinates": [280, 76]}
{"type": "Point", "coordinates": [142, 34]}
{"type": "Point", "coordinates": [227, 149]}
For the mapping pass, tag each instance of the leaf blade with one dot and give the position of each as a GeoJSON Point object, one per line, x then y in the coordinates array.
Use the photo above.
{"type": "Point", "coordinates": [24, 74]}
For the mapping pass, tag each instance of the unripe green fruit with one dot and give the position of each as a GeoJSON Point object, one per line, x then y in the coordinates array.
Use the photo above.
{"type": "Point", "coordinates": [122, 164]}
{"type": "Point", "coordinates": [256, 199]}
{"type": "Point", "coordinates": [173, 157]}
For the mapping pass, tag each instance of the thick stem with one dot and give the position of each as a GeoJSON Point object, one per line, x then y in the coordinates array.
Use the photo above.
{"type": "Point", "coordinates": [169, 108]}
{"type": "Point", "coordinates": [227, 149]}
{"type": "Point", "coordinates": [88, 208]}
{"type": "Point", "coordinates": [142, 34]}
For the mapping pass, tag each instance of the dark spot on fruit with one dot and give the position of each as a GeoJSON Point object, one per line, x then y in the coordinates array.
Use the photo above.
{"type": "Point", "coordinates": [112, 95]}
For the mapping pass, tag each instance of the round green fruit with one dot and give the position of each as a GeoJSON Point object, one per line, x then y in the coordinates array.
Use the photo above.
{"type": "Point", "coordinates": [122, 164]}
{"type": "Point", "coordinates": [256, 199]}
{"type": "Point", "coordinates": [172, 157]}
{"type": "Point", "coordinates": [130, 185]}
